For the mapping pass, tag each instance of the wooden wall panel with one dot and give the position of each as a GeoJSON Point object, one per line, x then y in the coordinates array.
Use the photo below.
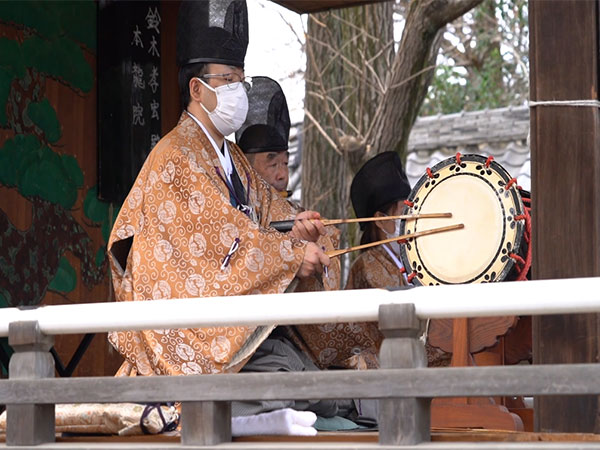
{"type": "Point", "coordinates": [76, 114]}
{"type": "Point", "coordinates": [565, 155]}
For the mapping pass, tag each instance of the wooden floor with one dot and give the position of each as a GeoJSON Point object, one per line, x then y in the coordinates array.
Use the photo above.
{"type": "Point", "coordinates": [441, 439]}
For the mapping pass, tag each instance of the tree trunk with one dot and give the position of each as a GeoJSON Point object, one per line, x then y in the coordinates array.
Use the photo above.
{"type": "Point", "coordinates": [339, 44]}
{"type": "Point", "coordinates": [412, 71]}
{"type": "Point", "coordinates": [362, 98]}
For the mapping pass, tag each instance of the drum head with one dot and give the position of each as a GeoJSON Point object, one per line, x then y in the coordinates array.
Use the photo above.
{"type": "Point", "coordinates": [476, 195]}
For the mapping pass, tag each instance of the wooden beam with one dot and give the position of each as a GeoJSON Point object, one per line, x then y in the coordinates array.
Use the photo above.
{"type": "Point", "coordinates": [565, 171]}
{"type": "Point", "coordinates": [568, 379]}
{"type": "Point", "coordinates": [313, 6]}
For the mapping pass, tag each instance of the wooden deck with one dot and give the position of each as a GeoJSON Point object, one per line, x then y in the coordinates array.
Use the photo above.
{"type": "Point", "coordinates": [441, 439]}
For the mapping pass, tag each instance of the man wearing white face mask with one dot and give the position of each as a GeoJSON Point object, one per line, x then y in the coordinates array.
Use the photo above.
{"type": "Point", "coordinates": [195, 223]}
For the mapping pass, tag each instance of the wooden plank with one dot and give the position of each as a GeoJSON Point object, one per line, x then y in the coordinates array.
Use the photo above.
{"type": "Point", "coordinates": [329, 446]}
{"type": "Point", "coordinates": [565, 158]}
{"type": "Point", "coordinates": [362, 440]}
{"type": "Point", "coordinates": [571, 379]}
{"type": "Point", "coordinates": [437, 435]}
{"type": "Point", "coordinates": [313, 6]}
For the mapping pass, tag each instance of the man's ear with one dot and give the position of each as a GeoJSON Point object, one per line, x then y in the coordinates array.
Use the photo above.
{"type": "Point", "coordinates": [196, 89]}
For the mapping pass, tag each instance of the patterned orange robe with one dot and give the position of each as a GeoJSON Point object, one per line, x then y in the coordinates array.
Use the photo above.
{"type": "Point", "coordinates": [374, 269]}
{"type": "Point", "coordinates": [342, 345]}
{"type": "Point", "coordinates": [181, 222]}
{"type": "Point", "coordinates": [349, 345]}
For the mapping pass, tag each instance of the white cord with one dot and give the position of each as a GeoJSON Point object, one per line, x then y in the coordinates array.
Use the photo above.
{"type": "Point", "coordinates": [592, 103]}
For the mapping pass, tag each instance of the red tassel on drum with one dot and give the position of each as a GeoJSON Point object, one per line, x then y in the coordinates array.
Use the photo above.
{"type": "Point", "coordinates": [510, 183]}
{"type": "Point", "coordinates": [526, 263]}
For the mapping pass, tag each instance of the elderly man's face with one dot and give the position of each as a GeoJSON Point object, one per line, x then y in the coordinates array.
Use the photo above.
{"type": "Point", "coordinates": [273, 167]}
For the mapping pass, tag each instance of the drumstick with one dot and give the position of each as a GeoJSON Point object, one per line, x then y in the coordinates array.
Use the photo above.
{"type": "Point", "coordinates": [287, 225]}
{"type": "Point", "coordinates": [334, 253]}
{"type": "Point", "coordinates": [374, 219]}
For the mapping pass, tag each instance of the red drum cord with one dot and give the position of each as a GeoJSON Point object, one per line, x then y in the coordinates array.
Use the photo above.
{"type": "Point", "coordinates": [523, 265]}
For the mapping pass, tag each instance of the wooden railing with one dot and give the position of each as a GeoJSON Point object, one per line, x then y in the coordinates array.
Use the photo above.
{"type": "Point", "coordinates": [403, 385]}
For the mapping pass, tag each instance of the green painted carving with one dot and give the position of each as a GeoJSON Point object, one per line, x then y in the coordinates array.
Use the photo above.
{"type": "Point", "coordinates": [56, 37]}
{"type": "Point", "coordinates": [65, 279]}
{"type": "Point", "coordinates": [5, 80]}
{"type": "Point", "coordinates": [37, 171]}
{"type": "Point", "coordinates": [94, 209]}
{"type": "Point", "coordinates": [100, 212]}
{"type": "Point", "coordinates": [56, 18]}
{"type": "Point", "coordinates": [101, 256]}
{"type": "Point", "coordinates": [44, 116]}
{"type": "Point", "coordinates": [61, 58]}
{"type": "Point", "coordinates": [12, 57]}
{"type": "Point", "coordinates": [30, 259]}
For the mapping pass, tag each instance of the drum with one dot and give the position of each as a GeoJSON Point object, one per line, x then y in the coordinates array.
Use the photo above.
{"type": "Point", "coordinates": [494, 243]}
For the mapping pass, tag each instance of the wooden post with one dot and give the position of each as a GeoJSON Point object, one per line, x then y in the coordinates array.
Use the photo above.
{"type": "Point", "coordinates": [205, 423]}
{"type": "Point", "coordinates": [31, 424]}
{"type": "Point", "coordinates": [565, 169]}
{"type": "Point", "coordinates": [402, 421]}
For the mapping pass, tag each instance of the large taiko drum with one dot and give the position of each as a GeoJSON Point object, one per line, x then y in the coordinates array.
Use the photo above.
{"type": "Point", "coordinates": [492, 246]}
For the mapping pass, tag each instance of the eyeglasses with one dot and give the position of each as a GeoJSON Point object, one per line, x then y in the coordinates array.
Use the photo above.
{"type": "Point", "coordinates": [231, 79]}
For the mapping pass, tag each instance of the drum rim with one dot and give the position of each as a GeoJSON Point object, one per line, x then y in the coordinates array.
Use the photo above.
{"type": "Point", "coordinates": [513, 192]}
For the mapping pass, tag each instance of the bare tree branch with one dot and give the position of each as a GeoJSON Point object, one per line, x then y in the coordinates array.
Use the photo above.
{"type": "Point", "coordinates": [337, 109]}
{"type": "Point", "coordinates": [323, 132]}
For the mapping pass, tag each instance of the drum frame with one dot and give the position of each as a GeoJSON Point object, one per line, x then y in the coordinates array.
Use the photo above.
{"type": "Point", "coordinates": [484, 169]}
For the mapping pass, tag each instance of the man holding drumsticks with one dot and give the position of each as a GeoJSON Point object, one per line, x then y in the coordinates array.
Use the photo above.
{"type": "Point", "coordinates": [195, 223]}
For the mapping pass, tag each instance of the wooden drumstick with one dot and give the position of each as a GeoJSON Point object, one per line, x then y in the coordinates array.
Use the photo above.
{"type": "Point", "coordinates": [375, 219]}
{"type": "Point", "coordinates": [287, 225]}
{"type": "Point", "coordinates": [342, 251]}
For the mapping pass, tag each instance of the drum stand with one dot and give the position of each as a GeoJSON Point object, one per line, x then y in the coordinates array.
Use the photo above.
{"type": "Point", "coordinates": [465, 339]}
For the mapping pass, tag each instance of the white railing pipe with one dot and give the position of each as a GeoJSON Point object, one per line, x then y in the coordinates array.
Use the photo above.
{"type": "Point", "coordinates": [577, 295]}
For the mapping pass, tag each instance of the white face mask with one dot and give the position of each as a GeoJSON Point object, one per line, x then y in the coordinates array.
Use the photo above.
{"type": "Point", "coordinates": [395, 246]}
{"type": "Point", "coordinates": [232, 107]}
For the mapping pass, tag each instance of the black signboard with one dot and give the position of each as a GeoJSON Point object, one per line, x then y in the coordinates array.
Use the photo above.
{"type": "Point", "coordinates": [129, 123]}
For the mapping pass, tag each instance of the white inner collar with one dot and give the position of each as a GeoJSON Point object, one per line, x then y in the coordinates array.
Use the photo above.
{"type": "Point", "coordinates": [395, 259]}
{"type": "Point", "coordinates": [225, 159]}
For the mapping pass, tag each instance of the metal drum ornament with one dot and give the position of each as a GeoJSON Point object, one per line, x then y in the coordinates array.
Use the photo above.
{"type": "Point", "coordinates": [480, 194]}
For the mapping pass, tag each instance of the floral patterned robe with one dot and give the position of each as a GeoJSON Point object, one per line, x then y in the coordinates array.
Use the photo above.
{"type": "Point", "coordinates": [349, 345]}
{"type": "Point", "coordinates": [181, 224]}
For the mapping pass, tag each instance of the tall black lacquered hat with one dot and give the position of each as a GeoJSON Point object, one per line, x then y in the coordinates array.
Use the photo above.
{"type": "Point", "coordinates": [267, 125]}
{"type": "Point", "coordinates": [212, 31]}
{"type": "Point", "coordinates": [379, 182]}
